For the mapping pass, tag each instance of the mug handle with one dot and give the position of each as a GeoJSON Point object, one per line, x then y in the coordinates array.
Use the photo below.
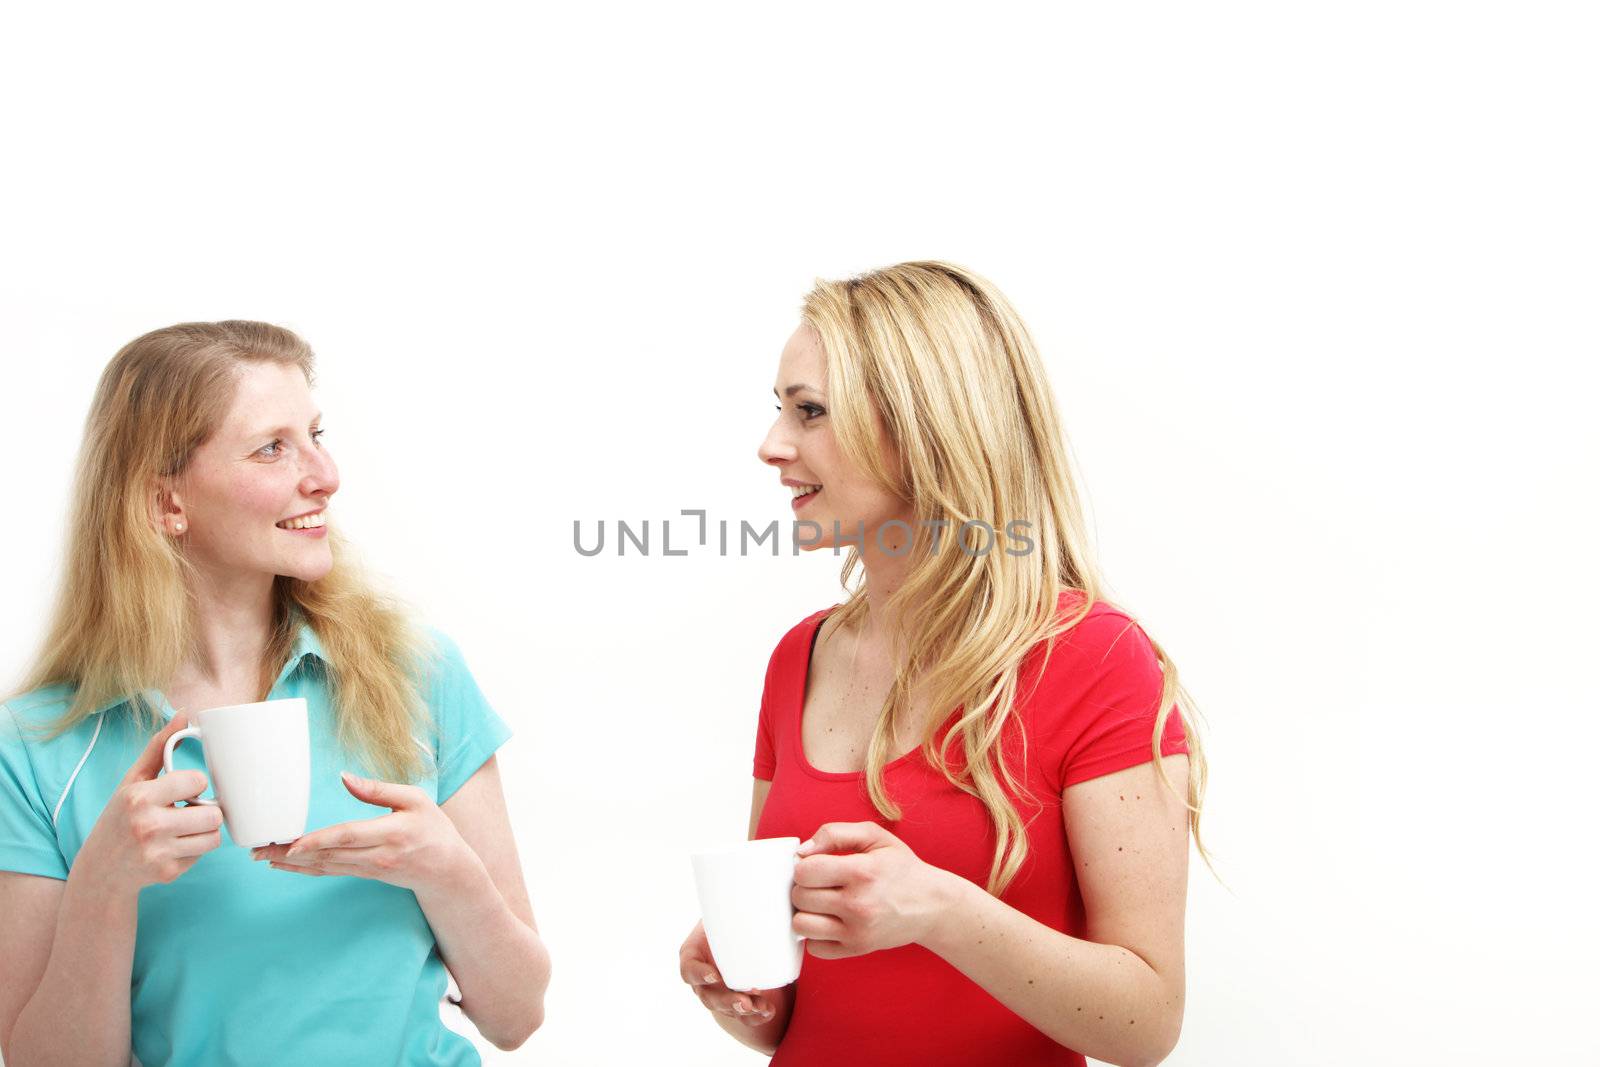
{"type": "Point", "coordinates": [166, 759]}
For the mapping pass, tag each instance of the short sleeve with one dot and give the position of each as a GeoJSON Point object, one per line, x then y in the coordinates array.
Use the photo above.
{"type": "Point", "coordinates": [1112, 714]}
{"type": "Point", "coordinates": [469, 730]}
{"type": "Point", "coordinates": [27, 837]}
{"type": "Point", "coordinates": [765, 764]}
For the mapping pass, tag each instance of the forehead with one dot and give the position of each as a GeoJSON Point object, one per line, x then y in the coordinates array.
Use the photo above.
{"type": "Point", "coordinates": [269, 394]}
{"type": "Point", "coordinates": [802, 360]}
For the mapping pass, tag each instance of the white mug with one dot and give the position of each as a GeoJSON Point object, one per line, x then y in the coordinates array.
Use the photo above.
{"type": "Point", "coordinates": [747, 913]}
{"type": "Point", "coordinates": [259, 761]}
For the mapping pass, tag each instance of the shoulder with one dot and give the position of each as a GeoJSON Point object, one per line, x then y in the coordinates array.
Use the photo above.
{"type": "Point", "coordinates": [448, 683]}
{"type": "Point", "coordinates": [37, 709]}
{"type": "Point", "coordinates": [793, 649]}
{"type": "Point", "coordinates": [26, 721]}
{"type": "Point", "coordinates": [1101, 631]}
{"type": "Point", "coordinates": [801, 631]}
{"type": "Point", "coordinates": [39, 704]}
{"type": "Point", "coordinates": [447, 678]}
{"type": "Point", "coordinates": [795, 644]}
{"type": "Point", "coordinates": [1105, 642]}
{"type": "Point", "coordinates": [437, 642]}
{"type": "Point", "coordinates": [441, 655]}
{"type": "Point", "coordinates": [1094, 709]}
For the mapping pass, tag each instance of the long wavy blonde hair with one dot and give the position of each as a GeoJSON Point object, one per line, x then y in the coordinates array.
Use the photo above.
{"type": "Point", "coordinates": [123, 622]}
{"type": "Point", "coordinates": [942, 357]}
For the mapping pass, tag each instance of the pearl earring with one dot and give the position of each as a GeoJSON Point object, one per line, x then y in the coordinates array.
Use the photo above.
{"type": "Point", "coordinates": [180, 527]}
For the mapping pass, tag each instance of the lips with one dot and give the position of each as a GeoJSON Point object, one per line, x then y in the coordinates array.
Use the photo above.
{"type": "Point", "coordinates": [314, 519]}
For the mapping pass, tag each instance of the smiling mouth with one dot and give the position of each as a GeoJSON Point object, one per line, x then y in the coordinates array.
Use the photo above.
{"type": "Point", "coordinates": [305, 522]}
{"type": "Point", "coordinates": [804, 490]}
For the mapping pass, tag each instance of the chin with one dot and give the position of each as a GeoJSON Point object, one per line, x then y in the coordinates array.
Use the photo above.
{"type": "Point", "coordinates": [308, 573]}
{"type": "Point", "coordinates": [828, 541]}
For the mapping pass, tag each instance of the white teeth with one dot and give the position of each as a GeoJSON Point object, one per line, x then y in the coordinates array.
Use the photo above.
{"type": "Point", "coordinates": [305, 522]}
{"type": "Point", "coordinates": [803, 490]}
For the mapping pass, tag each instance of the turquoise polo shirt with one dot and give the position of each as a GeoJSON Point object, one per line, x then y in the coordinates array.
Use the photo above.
{"type": "Point", "coordinates": [234, 962]}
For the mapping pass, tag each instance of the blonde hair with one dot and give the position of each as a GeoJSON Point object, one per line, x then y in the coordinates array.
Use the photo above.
{"type": "Point", "coordinates": [122, 620]}
{"type": "Point", "coordinates": [942, 357]}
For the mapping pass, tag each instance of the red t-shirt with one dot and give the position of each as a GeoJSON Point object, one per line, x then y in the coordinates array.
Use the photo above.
{"type": "Point", "coordinates": [1093, 713]}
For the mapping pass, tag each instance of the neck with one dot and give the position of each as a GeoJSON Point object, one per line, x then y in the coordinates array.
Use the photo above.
{"type": "Point", "coordinates": [885, 574]}
{"type": "Point", "coordinates": [232, 625]}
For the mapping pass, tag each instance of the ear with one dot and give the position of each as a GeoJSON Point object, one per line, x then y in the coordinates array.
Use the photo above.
{"type": "Point", "coordinates": [166, 508]}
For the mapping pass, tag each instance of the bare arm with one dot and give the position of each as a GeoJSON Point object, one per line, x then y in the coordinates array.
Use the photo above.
{"type": "Point", "coordinates": [65, 989]}
{"type": "Point", "coordinates": [484, 926]}
{"type": "Point", "coordinates": [1118, 995]}
{"type": "Point", "coordinates": [68, 947]}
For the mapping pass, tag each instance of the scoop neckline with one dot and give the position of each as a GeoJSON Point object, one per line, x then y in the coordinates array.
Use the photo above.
{"type": "Point", "coordinates": [800, 710]}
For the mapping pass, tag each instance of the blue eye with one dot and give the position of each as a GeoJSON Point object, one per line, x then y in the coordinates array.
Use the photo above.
{"type": "Point", "coordinates": [315, 434]}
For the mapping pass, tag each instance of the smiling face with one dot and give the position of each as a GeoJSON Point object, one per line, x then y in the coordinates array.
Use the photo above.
{"type": "Point", "coordinates": [801, 444]}
{"type": "Point", "coordinates": [262, 466]}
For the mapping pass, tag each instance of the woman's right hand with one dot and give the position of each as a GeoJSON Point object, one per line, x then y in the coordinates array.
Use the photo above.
{"type": "Point", "coordinates": [697, 968]}
{"type": "Point", "coordinates": [141, 837]}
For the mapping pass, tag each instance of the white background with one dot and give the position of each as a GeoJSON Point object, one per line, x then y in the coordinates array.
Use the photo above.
{"type": "Point", "coordinates": [1315, 286]}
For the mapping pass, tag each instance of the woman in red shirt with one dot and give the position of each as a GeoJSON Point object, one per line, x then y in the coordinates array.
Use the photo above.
{"type": "Point", "coordinates": [1002, 883]}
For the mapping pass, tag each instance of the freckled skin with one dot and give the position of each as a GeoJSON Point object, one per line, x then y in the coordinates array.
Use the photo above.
{"type": "Point", "coordinates": [801, 444]}
{"type": "Point", "coordinates": [232, 494]}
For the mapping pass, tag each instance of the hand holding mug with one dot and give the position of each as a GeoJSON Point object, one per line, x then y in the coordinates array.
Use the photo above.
{"type": "Point", "coordinates": [858, 889]}
{"type": "Point", "coordinates": [699, 970]}
{"type": "Point", "coordinates": [141, 838]}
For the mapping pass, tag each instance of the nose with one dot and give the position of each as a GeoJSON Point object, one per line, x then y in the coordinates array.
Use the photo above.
{"type": "Point", "coordinates": [776, 449]}
{"type": "Point", "coordinates": [321, 476]}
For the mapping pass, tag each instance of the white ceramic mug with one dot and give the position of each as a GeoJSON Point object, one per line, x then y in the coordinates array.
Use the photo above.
{"type": "Point", "coordinates": [747, 913]}
{"type": "Point", "coordinates": [258, 757]}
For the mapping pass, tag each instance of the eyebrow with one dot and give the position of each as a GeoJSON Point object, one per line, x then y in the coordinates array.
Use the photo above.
{"type": "Point", "coordinates": [283, 429]}
{"type": "Point", "coordinates": [797, 387]}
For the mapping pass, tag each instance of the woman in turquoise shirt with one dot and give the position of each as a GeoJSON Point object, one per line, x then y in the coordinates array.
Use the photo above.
{"type": "Point", "coordinates": [203, 569]}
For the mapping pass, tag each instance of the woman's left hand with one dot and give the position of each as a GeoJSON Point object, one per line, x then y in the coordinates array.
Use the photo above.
{"type": "Point", "coordinates": [876, 895]}
{"type": "Point", "coordinates": [415, 847]}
